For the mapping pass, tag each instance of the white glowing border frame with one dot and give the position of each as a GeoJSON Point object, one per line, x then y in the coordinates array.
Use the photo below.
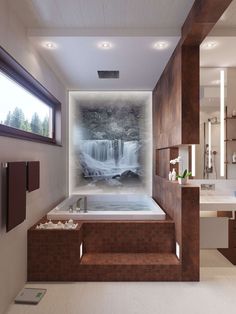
{"type": "Point", "coordinates": [222, 123]}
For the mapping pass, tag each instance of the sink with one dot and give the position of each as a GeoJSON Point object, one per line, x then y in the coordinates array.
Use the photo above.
{"type": "Point", "coordinates": [217, 202]}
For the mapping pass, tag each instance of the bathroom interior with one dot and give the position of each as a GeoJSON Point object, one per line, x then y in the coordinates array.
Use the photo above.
{"type": "Point", "coordinates": [130, 180]}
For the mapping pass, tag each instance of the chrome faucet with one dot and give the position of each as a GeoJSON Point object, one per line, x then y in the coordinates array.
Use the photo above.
{"type": "Point", "coordinates": [84, 199]}
{"type": "Point", "coordinates": [71, 209]}
{"type": "Point", "coordinates": [208, 187]}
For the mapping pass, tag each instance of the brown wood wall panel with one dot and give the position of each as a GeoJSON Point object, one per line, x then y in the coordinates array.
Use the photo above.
{"type": "Point", "coordinates": [16, 194]}
{"type": "Point", "coordinates": [176, 122]}
{"type": "Point", "coordinates": [167, 105]}
{"type": "Point", "coordinates": [33, 175]}
{"type": "Point", "coordinates": [190, 95]}
{"type": "Point", "coordinates": [176, 95]}
{"type": "Point", "coordinates": [201, 19]}
{"type": "Point", "coordinates": [176, 100]}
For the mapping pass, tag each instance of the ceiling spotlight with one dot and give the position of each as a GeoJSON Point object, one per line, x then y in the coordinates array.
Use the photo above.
{"type": "Point", "coordinates": [160, 45]}
{"type": "Point", "coordinates": [209, 45]}
{"type": "Point", "coordinates": [105, 45]}
{"type": "Point", "coordinates": [50, 45]}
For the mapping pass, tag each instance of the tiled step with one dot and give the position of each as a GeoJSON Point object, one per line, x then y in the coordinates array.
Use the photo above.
{"type": "Point", "coordinates": [129, 259]}
{"type": "Point", "coordinates": [129, 267]}
{"type": "Point", "coordinates": [129, 237]}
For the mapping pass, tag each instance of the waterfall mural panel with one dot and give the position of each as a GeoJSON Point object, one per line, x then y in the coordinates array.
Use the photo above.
{"type": "Point", "coordinates": [109, 146]}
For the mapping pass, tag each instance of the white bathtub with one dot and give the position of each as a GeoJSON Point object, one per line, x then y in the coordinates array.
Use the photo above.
{"type": "Point", "coordinates": [110, 207]}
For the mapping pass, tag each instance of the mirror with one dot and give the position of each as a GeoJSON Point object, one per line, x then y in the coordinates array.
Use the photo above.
{"type": "Point", "coordinates": [208, 153]}
{"type": "Point", "coordinates": [215, 156]}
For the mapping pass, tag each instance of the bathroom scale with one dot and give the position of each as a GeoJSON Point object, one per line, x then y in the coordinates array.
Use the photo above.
{"type": "Point", "coordinates": [30, 296]}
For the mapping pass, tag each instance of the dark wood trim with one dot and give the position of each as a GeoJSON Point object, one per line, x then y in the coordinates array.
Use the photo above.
{"type": "Point", "coordinates": [10, 67]}
{"type": "Point", "coordinates": [28, 136]}
{"type": "Point", "coordinates": [201, 19]}
{"type": "Point", "coordinates": [190, 95]}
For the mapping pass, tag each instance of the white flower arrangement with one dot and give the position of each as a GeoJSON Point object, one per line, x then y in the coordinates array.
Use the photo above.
{"type": "Point", "coordinates": [176, 160]}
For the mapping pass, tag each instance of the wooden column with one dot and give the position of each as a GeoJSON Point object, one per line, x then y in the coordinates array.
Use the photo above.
{"type": "Point", "coordinates": [176, 123]}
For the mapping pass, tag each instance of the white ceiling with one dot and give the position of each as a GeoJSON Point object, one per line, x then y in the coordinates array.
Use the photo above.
{"type": "Point", "coordinates": [77, 60]}
{"type": "Point", "coordinates": [103, 13]}
{"type": "Point", "coordinates": [76, 27]}
{"type": "Point", "coordinates": [223, 55]}
{"type": "Point", "coordinates": [228, 19]}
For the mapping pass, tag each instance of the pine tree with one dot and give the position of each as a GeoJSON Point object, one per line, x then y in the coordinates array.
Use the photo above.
{"type": "Point", "coordinates": [26, 126]}
{"type": "Point", "coordinates": [36, 124]}
{"type": "Point", "coordinates": [45, 127]}
{"type": "Point", "coordinates": [8, 119]}
{"type": "Point", "coordinates": [17, 118]}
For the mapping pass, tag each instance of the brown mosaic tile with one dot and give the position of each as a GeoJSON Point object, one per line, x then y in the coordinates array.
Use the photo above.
{"type": "Point", "coordinates": [130, 237]}
{"type": "Point", "coordinates": [129, 259]}
{"type": "Point", "coordinates": [134, 251]}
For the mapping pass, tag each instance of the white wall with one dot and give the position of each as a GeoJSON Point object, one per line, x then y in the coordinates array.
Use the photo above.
{"type": "Point", "coordinates": [53, 160]}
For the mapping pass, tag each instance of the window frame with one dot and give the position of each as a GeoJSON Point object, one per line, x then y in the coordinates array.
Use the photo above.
{"type": "Point", "coordinates": [10, 67]}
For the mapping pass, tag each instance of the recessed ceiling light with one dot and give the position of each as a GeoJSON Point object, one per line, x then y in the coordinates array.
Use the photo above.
{"type": "Point", "coordinates": [209, 45]}
{"type": "Point", "coordinates": [105, 45]}
{"type": "Point", "coordinates": [160, 45]}
{"type": "Point", "coordinates": [49, 45]}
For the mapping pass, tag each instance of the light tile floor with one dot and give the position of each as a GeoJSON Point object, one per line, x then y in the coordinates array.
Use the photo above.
{"type": "Point", "coordinates": [215, 294]}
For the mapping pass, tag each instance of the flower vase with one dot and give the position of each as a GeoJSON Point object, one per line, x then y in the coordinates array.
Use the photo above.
{"type": "Point", "coordinates": [182, 181]}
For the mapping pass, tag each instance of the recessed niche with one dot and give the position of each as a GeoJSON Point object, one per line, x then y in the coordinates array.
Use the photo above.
{"type": "Point", "coordinates": [163, 157]}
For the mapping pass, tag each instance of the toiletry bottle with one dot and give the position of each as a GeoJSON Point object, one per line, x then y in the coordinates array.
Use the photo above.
{"type": "Point", "coordinates": [173, 175]}
{"type": "Point", "coordinates": [234, 157]}
{"type": "Point", "coordinates": [170, 176]}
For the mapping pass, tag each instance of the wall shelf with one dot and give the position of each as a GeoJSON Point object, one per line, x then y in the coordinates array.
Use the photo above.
{"type": "Point", "coordinates": [228, 141]}
{"type": "Point", "coordinates": [230, 118]}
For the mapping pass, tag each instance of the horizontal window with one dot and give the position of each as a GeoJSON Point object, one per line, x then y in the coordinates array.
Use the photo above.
{"type": "Point", "coordinates": [21, 110]}
{"type": "Point", "coordinates": [27, 110]}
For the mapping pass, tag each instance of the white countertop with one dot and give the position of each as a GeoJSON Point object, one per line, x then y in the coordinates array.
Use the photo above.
{"type": "Point", "coordinates": [217, 202]}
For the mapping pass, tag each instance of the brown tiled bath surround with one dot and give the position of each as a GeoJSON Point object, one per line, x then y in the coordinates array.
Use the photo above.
{"type": "Point", "coordinates": [112, 251]}
{"type": "Point", "coordinates": [53, 254]}
{"type": "Point", "coordinates": [129, 237]}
